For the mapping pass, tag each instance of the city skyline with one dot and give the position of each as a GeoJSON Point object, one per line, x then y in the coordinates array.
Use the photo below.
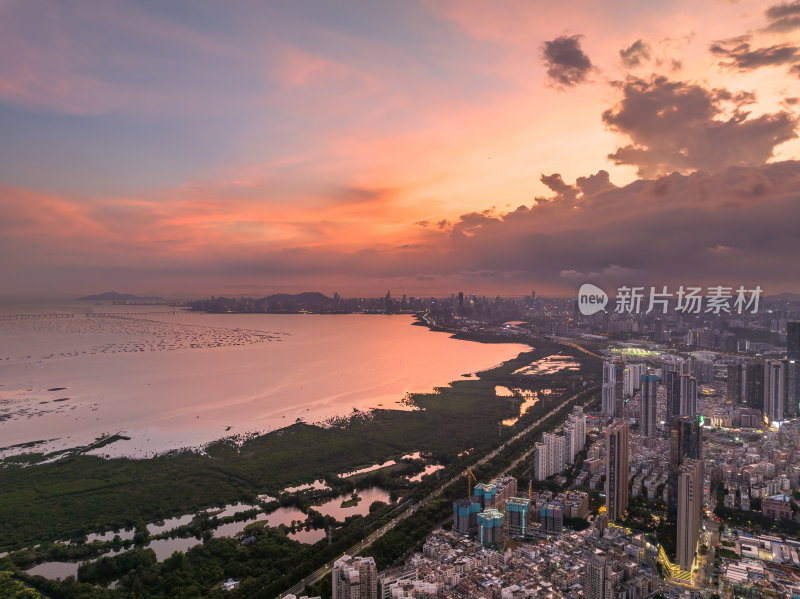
{"type": "Point", "coordinates": [186, 150]}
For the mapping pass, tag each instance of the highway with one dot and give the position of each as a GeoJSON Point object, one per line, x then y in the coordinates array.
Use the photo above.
{"type": "Point", "coordinates": [367, 541]}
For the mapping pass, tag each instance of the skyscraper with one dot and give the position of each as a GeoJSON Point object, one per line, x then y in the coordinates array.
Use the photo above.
{"type": "Point", "coordinates": [354, 578]}
{"type": "Point", "coordinates": [735, 384]}
{"type": "Point", "coordinates": [791, 408]}
{"type": "Point", "coordinates": [690, 504]}
{"type": "Point", "coordinates": [754, 392]}
{"type": "Point", "coordinates": [793, 341]}
{"type": "Point", "coordinates": [792, 370]}
{"type": "Point", "coordinates": [607, 406]}
{"type": "Point", "coordinates": [686, 441]}
{"type": "Point", "coordinates": [672, 382]}
{"type": "Point", "coordinates": [617, 449]}
{"type": "Point", "coordinates": [688, 396]}
{"type": "Point", "coordinates": [774, 389]}
{"type": "Point", "coordinates": [619, 390]}
{"type": "Point", "coordinates": [649, 405]}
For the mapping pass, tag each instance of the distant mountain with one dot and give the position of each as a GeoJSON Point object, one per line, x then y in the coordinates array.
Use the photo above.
{"type": "Point", "coordinates": [121, 297]}
{"type": "Point", "coordinates": [307, 297]}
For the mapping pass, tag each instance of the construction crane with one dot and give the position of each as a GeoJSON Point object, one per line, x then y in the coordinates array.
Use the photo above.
{"type": "Point", "coordinates": [469, 484]}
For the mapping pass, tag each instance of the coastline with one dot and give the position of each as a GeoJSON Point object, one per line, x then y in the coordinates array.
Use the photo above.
{"type": "Point", "coordinates": [120, 490]}
{"type": "Point", "coordinates": [193, 392]}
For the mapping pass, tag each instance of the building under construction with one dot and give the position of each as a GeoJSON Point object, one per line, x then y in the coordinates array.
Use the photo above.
{"type": "Point", "coordinates": [465, 515]}
{"type": "Point", "coordinates": [490, 528]}
{"type": "Point", "coordinates": [517, 517]}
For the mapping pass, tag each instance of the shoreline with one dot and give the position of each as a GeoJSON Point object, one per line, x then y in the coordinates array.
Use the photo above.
{"type": "Point", "coordinates": [117, 491]}
{"type": "Point", "coordinates": [162, 419]}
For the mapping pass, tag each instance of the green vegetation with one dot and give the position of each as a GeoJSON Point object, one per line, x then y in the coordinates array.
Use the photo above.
{"type": "Point", "coordinates": [13, 589]}
{"type": "Point", "coordinates": [80, 493]}
{"type": "Point", "coordinates": [727, 553]}
{"type": "Point", "coordinates": [353, 501]}
{"type": "Point", "coordinates": [756, 520]}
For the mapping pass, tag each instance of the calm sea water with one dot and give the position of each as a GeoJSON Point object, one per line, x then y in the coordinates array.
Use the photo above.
{"type": "Point", "coordinates": [181, 380]}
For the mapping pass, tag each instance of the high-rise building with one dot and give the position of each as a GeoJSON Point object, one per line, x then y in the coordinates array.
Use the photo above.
{"type": "Point", "coordinates": [465, 514]}
{"type": "Point", "coordinates": [737, 374]}
{"type": "Point", "coordinates": [617, 455]}
{"type": "Point", "coordinates": [575, 434]}
{"type": "Point", "coordinates": [354, 578]}
{"type": "Point", "coordinates": [541, 461]}
{"type": "Point", "coordinates": [555, 451]}
{"type": "Point", "coordinates": [594, 576]}
{"type": "Point", "coordinates": [702, 370]}
{"type": "Point", "coordinates": [754, 392]}
{"type": "Point", "coordinates": [791, 408]}
{"type": "Point", "coordinates": [490, 527]}
{"type": "Point", "coordinates": [793, 341]}
{"type": "Point", "coordinates": [690, 505]}
{"type": "Point", "coordinates": [649, 406]}
{"type": "Point", "coordinates": [686, 442]}
{"type": "Point", "coordinates": [551, 515]}
{"type": "Point", "coordinates": [688, 396]}
{"type": "Point", "coordinates": [774, 390]}
{"type": "Point", "coordinates": [619, 390]}
{"type": "Point", "coordinates": [607, 397]}
{"type": "Point", "coordinates": [516, 517]}
{"type": "Point", "coordinates": [672, 383]}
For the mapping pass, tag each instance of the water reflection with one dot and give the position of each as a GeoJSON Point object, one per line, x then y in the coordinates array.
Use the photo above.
{"type": "Point", "coordinates": [429, 469]}
{"type": "Point", "coordinates": [333, 507]}
{"type": "Point", "coordinates": [105, 537]}
{"type": "Point", "coordinates": [156, 529]}
{"type": "Point", "coordinates": [316, 485]}
{"type": "Point", "coordinates": [164, 548]}
{"type": "Point", "coordinates": [285, 516]}
{"type": "Point", "coordinates": [309, 537]}
{"type": "Point", "coordinates": [549, 365]}
{"type": "Point", "coordinates": [60, 570]}
{"type": "Point", "coordinates": [368, 469]}
{"type": "Point", "coordinates": [529, 399]}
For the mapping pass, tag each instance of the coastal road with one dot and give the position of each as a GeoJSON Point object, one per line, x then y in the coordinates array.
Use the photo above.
{"type": "Point", "coordinates": [369, 540]}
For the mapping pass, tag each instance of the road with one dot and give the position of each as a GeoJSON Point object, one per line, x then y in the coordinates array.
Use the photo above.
{"type": "Point", "coordinates": [369, 540]}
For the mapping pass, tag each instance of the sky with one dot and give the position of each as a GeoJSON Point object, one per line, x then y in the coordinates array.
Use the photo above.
{"type": "Point", "coordinates": [191, 148]}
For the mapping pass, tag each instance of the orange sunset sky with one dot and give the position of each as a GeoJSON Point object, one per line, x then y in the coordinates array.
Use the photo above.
{"type": "Point", "coordinates": [194, 148]}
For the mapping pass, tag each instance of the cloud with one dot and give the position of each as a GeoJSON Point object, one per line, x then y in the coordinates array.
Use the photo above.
{"type": "Point", "coordinates": [594, 184]}
{"type": "Point", "coordinates": [557, 185]}
{"type": "Point", "coordinates": [636, 54]}
{"type": "Point", "coordinates": [739, 55]}
{"type": "Point", "coordinates": [783, 17]}
{"type": "Point", "coordinates": [567, 65]}
{"type": "Point", "coordinates": [652, 232]}
{"type": "Point", "coordinates": [795, 70]}
{"type": "Point", "coordinates": [675, 125]}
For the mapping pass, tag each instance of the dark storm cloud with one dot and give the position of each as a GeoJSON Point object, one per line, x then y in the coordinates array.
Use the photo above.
{"type": "Point", "coordinates": [567, 65]}
{"type": "Point", "coordinates": [675, 125]}
{"type": "Point", "coordinates": [737, 53]}
{"type": "Point", "coordinates": [651, 232]}
{"type": "Point", "coordinates": [783, 17]}
{"type": "Point", "coordinates": [636, 54]}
